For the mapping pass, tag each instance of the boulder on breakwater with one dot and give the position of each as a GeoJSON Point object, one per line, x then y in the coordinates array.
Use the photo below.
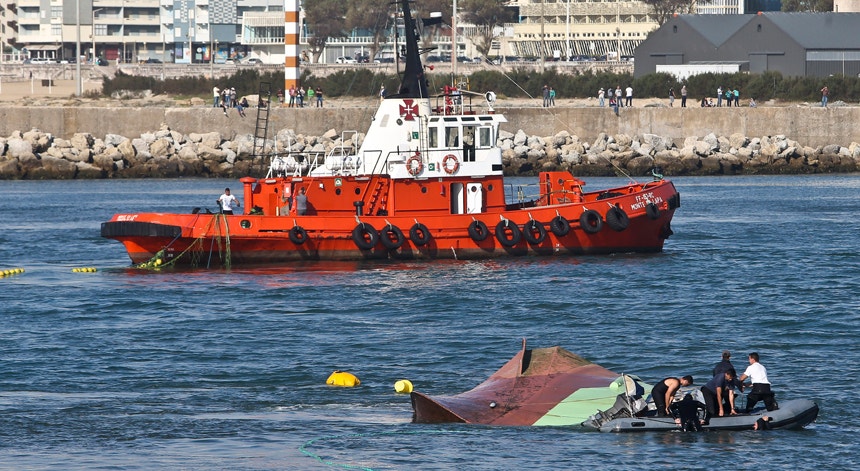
{"type": "Point", "coordinates": [166, 153]}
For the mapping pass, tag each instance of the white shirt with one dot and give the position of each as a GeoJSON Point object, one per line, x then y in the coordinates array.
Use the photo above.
{"type": "Point", "coordinates": [629, 91]}
{"type": "Point", "coordinates": [757, 373]}
{"type": "Point", "coordinates": [227, 202]}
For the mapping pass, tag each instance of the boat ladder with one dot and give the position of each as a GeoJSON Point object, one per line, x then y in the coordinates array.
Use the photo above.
{"type": "Point", "coordinates": [261, 130]}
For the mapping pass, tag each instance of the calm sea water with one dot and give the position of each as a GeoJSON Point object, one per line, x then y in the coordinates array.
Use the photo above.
{"type": "Point", "coordinates": [225, 370]}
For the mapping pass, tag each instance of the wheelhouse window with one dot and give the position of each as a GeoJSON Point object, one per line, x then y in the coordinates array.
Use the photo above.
{"type": "Point", "coordinates": [433, 137]}
{"type": "Point", "coordinates": [452, 137]}
{"type": "Point", "coordinates": [485, 137]}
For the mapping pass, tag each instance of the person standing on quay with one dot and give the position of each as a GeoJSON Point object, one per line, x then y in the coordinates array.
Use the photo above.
{"type": "Point", "coordinates": [216, 94]}
{"type": "Point", "coordinates": [719, 96]}
{"type": "Point", "coordinates": [545, 91]}
{"type": "Point", "coordinates": [600, 98]}
{"type": "Point", "coordinates": [671, 97]}
{"type": "Point", "coordinates": [737, 95]}
{"type": "Point", "coordinates": [683, 96]}
{"type": "Point", "coordinates": [618, 97]}
{"type": "Point", "coordinates": [629, 92]}
{"type": "Point", "coordinates": [292, 94]}
{"type": "Point", "coordinates": [824, 93]}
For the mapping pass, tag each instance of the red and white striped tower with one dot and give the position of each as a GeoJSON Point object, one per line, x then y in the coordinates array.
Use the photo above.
{"type": "Point", "coordinates": [291, 44]}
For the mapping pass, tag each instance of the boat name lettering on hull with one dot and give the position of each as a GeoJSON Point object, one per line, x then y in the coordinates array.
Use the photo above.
{"type": "Point", "coordinates": [645, 198]}
{"type": "Point", "coordinates": [126, 217]}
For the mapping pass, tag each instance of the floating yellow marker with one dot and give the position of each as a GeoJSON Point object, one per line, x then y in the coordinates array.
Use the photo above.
{"type": "Point", "coordinates": [11, 271]}
{"type": "Point", "coordinates": [343, 379]}
{"type": "Point", "coordinates": [403, 386]}
{"type": "Point", "coordinates": [85, 270]}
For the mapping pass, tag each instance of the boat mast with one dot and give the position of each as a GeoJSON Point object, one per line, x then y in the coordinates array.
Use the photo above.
{"type": "Point", "coordinates": [413, 83]}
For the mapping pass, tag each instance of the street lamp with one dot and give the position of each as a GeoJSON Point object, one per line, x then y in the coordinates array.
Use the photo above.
{"type": "Point", "coordinates": [94, 32]}
{"type": "Point", "coordinates": [211, 54]}
{"type": "Point", "coordinates": [78, 90]}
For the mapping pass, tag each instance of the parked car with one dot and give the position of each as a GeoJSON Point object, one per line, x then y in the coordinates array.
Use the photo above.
{"type": "Point", "coordinates": [251, 61]}
{"type": "Point", "coordinates": [153, 61]}
{"type": "Point", "coordinates": [39, 60]}
{"type": "Point", "coordinates": [345, 60]}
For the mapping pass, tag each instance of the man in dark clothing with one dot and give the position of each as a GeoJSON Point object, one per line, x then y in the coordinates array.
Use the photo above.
{"type": "Point", "coordinates": [714, 391]}
{"type": "Point", "coordinates": [719, 369]}
{"type": "Point", "coordinates": [664, 391]}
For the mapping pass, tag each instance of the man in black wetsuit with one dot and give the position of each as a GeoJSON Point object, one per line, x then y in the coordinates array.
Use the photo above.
{"type": "Point", "coordinates": [665, 390]}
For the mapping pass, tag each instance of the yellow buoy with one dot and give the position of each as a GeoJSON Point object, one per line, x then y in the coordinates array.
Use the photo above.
{"type": "Point", "coordinates": [403, 386]}
{"type": "Point", "coordinates": [85, 270]}
{"type": "Point", "coordinates": [343, 379]}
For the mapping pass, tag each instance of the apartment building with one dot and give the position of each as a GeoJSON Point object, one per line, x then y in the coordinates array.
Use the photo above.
{"type": "Point", "coordinates": [562, 28]}
{"type": "Point", "coordinates": [181, 31]}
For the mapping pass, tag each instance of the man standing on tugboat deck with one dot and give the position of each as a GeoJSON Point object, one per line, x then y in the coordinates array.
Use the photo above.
{"type": "Point", "coordinates": [227, 202]}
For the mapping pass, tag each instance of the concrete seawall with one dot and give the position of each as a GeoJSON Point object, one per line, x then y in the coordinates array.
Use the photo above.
{"type": "Point", "coordinates": [810, 126]}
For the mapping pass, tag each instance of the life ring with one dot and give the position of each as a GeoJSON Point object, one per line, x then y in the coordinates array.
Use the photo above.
{"type": "Point", "coordinates": [391, 237]}
{"type": "Point", "coordinates": [559, 226]}
{"type": "Point", "coordinates": [450, 169]}
{"type": "Point", "coordinates": [534, 232]}
{"type": "Point", "coordinates": [419, 234]}
{"type": "Point", "coordinates": [591, 221]}
{"type": "Point", "coordinates": [298, 235]}
{"type": "Point", "coordinates": [414, 165]}
{"type": "Point", "coordinates": [365, 236]}
{"type": "Point", "coordinates": [617, 219]}
{"type": "Point", "coordinates": [652, 210]}
{"type": "Point", "coordinates": [478, 231]}
{"type": "Point", "coordinates": [504, 237]}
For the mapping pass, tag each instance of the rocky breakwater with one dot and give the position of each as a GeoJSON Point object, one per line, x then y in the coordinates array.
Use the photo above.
{"type": "Point", "coordinates": [162, 154]}
{"type": "Point", "coordinates": [636, 155]}
{"type": "Point", "coordinates": [166, 153]}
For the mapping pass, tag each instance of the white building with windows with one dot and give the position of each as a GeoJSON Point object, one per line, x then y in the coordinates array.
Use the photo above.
{"type": "Point", "coordinates": [181, 31]}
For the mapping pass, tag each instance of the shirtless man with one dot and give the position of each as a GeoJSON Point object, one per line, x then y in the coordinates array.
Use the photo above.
{"type": "Point", "coordinates": [665, 390]}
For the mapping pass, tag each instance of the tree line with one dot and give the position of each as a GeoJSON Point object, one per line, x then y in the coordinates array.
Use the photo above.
{"type": "Point", "coordinates": [518, 83]}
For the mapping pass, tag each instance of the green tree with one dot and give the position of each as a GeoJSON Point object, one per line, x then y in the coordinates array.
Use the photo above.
{"type": "Point", "coordinates": [486, 15]}
{"type": "Point", "coordinates": [325, 19]}
{"type": "Point", "coordinates": [372, 16]}
{"type": "Point", "coordinates": [813, 6]}
{"type": "Point", "coordinates": [422, 10]}
{"type": "Point", "coordinates": [664, 9]}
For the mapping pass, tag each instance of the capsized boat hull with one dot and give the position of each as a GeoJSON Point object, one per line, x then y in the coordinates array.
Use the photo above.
{"type": "Point", "coordinates": [540, 387]}
{"type": "Point", "coordinates": [792, 414]}
{"type": "Point", "coordinates": [209, 239]}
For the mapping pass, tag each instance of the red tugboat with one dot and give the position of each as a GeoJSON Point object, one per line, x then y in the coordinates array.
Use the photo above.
{"type": "Point", "coordinates": [425, 183]}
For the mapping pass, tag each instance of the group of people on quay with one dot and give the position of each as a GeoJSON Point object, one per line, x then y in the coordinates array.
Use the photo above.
{"type": "Point", "coordinates": [617, 98]}
{"type": "Point", "coordinates": [717, 397]}
{"type": "Point", "coordinates": [226, 98]}
{"type": "Point", "coordinates": [298, 97]}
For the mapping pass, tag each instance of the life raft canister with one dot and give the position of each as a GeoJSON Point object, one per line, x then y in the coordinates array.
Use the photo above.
{"type": "Point", "coordinates": [590, 221]}
{"type": "Point", "coordinates": [343, 379]}
{"type": "Point", "coordinates": [449, 167]}
{"type": "Point", "coordinates": [414, 165]}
